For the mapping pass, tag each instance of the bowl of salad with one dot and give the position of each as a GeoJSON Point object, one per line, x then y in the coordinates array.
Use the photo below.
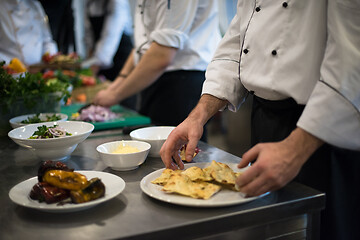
{"type": "Point", "coordinates": [52, 140]}
{"type": "Point", "coordinates": [37, 118]}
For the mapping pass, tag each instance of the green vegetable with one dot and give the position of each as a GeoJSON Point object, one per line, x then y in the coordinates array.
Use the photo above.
{"type": "Point", "coordinates": [36, 119]}
{"type": "Point", "coordinates": [29, 88]}
{"type": "Point", "coordinates": [75, 80]}
{"type": "Point", "coordinates": [43, 132]}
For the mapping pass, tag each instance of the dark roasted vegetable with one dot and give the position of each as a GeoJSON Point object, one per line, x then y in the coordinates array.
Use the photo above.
{"type": "Point", "coordinates": [44, 192]}
{"type": "Point", "coordinates": [51, 165]}
{"type": "Point", "coordinates": [94, 189]}
{"type": "Point", "coordinates": [58, 182]}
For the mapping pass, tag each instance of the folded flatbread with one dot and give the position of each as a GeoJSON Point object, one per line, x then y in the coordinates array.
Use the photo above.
{"type": "Point", "coordinates": [197, 174]}
{"type": "Point", "coordinates": [164, 177]}
{"type": "Point", "coordinates": [221, 173]}
{"type": "Point", "coordinates": [182, 184]}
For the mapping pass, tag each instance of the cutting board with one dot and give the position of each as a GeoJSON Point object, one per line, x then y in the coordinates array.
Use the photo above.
{"type": "Point", "coordinates": [128, 117]}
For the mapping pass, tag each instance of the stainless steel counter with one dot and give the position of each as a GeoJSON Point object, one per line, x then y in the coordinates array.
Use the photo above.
{"type": "Point", "coordinates": [290, 213]}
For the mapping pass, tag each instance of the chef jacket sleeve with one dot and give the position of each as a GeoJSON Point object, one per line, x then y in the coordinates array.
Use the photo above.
{"type": "Point", "coordinates": [333, 110]}
{"type": "Point", "coordinates": [173, 22]}
{"type": "Point", "coordinates": [222, 74]}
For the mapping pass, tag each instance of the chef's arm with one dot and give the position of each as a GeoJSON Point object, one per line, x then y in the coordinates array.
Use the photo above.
{"type": "Point", "coordinates": [333, 110]}
{"type": "Point", "coordinates": [128, 66]}
{"type": "Point", "coordinates": [207, 106]}
{"type": "Point", "coordinates": [150, 67]}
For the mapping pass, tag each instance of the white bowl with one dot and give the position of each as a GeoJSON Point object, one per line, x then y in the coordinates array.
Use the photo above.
{"type": "Point", "coordinates": [123, 161]}
{"type": "Point", "coordinates": [52, 148]}
{"type": "Point", "coordinates": [16, 121]}
{"type": "Point", "coordinates": [156, 136]}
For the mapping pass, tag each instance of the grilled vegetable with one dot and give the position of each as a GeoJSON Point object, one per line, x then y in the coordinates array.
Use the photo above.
{"type": "Point", "coordinates": [65, 180]}
{"type": "Point", "coordinates": [58, 182]}
{"type": "Point", "coordinates": [50, 165]}
{"type": "Point", "coordinates": [44, 192]}
{"type": "Point", "coordinates": [93, 190]}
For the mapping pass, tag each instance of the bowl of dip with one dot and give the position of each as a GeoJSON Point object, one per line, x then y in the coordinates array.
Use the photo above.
{"type": "Point", "coordinates": [124, 155]}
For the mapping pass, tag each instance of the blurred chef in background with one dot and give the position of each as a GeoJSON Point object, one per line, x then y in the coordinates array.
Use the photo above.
{"type": "Point", "coordinates": [24, 32]}
{"type": "Point", "coordinates": [61, 20]}
{"type": "Point", "coordinates": [109, 31]}
{"type": "Point", "coordinates": [174, 43]}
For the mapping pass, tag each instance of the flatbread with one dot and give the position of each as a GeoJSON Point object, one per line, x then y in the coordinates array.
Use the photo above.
{"type": "Point", "coordinates": [196, 182]}
{"type": "Point", "coordinates": [164, 177]}
{"type": "Point", "coordinates": [197, 174]}
{"type": "Point", "coordinates": [182, 184]}
{"type": "Point", "coordinates": [221, 173]}
{"type": "Point", "coordinates": [183, 153]}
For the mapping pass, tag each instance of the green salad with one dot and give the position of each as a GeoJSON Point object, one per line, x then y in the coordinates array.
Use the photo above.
{"type": "Point", "coordinates": [45, 132]}
{"type": "Point", "coordinates": [37, 119]}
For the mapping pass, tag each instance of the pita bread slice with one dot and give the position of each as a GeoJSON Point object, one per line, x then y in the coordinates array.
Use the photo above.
{"type": "Point", "coordinates": [164, 177]}
{"type": "Point", "coordinates": [221, 173]}
{"type": "Point", "coordinates": [182, 184]}
{"type": "Point", "coordinates": [197, 174]}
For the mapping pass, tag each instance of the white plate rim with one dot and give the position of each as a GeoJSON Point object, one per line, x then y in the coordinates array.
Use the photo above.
{"type": "Point", "coordinates": [154, 191]}
{"type": "Point", "coordinates": [19, 194]}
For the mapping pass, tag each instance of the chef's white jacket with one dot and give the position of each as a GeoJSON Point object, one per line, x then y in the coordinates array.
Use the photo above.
{"type": "Point", "coordinates": [117, 22]}
{"type": "Point", "coordinates": [191, 26]}
{"type": "Point", "coordinates": [24, 31]}
{"type": "Point", "coordinates": [304, 49]}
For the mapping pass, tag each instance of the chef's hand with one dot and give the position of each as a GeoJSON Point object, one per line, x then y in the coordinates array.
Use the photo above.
{"type": "Point", "coordinates": [276, 163]}
{"type": "Point", "coordinates": [106, 98]}
{"type": "Point", "coordinates": [188, 132]}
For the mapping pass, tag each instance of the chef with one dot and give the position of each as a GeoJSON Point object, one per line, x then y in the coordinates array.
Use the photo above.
{"type": "Point", "coordinates": [174, 43]}
{"type": "Point", "coordinates": [300, 60]}
{"type": "Point", "coordinates": [24, 32]}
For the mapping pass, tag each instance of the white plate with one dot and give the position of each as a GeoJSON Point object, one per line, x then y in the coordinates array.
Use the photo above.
{"type": "Point", "coordinates": [114, 185]}
{"type": "Point", "coordinates": [223, 198]}
{"type": "Point", "coordinates": [16, 121]}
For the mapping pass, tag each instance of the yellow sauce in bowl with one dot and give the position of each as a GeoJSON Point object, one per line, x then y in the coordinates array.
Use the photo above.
{"type": "Point", "coordinates": [126, 149]}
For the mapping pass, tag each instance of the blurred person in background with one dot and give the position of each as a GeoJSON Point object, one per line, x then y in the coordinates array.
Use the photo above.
{"type": "Point", "coordinates": [109, 29]}
{"type": "Point", "coordinates": [109, 36]}
{"type": "Point", "coordinates": [24, 32]}
{"type": "Point", "coordinates": [174, 43]}
{"type": "Point", "coordinates": [61, 21]}
{"type": "Point", "coordinates": [300, 62]}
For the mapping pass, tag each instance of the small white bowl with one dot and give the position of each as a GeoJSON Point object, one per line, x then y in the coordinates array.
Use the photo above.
{"type": "Point", "coordinates": [16, 121]}
{"type": "Point", "coordinates": [52, 148]}
{"type": "Point", "coordinates": [156, 136]}
{"type": "Point", "coordinates": [123, 161]}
